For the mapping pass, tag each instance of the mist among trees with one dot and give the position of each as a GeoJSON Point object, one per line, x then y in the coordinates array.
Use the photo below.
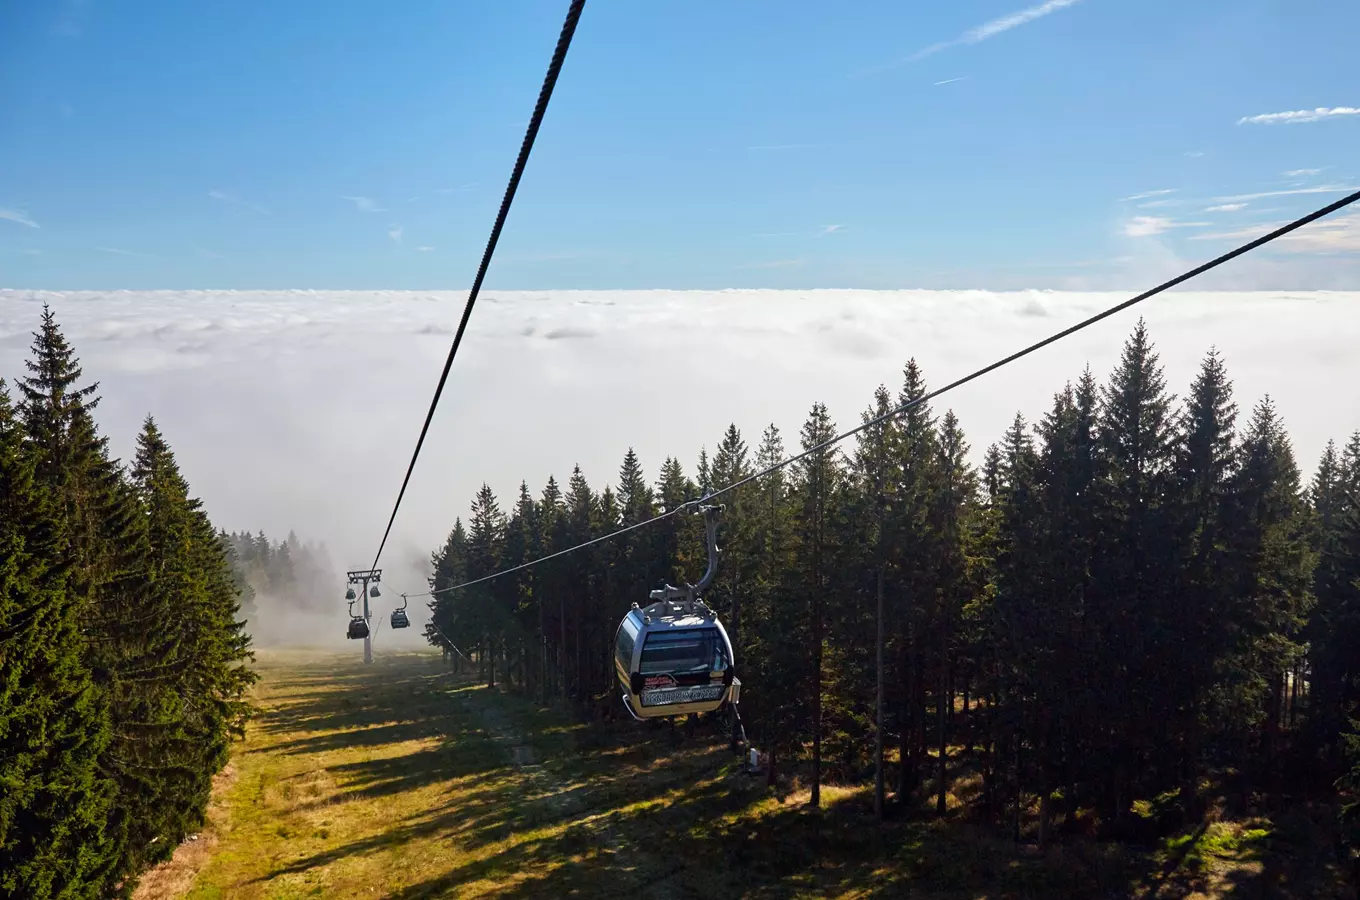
{"type": "Point", "coordinates": [280, 578]}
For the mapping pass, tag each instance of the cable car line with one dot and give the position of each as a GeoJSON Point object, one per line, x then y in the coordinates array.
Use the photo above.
{"type": "Point", "coordinates": [544, 94]}
{"type": "Point", "coordinates": [893, 413]}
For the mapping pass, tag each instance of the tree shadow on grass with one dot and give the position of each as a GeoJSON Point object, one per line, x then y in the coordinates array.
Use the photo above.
{"type": "Point", "coordinates": [398, 700]}
{"type": "Point", "coordinates": [547, 807]}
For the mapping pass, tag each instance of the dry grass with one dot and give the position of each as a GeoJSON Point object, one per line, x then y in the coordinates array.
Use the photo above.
{"type": "Point", "coordinates": [401, 780]}
{"type": "Point", "coordinates": [172, 878]}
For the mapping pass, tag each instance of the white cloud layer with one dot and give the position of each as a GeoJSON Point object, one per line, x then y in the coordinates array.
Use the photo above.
{"type": "Point", "coordinates": [299, 409]}
{"type": "Point", "coordinates": [1298, 116]}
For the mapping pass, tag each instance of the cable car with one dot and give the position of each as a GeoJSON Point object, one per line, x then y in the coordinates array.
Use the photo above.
{"type": "Point", "coordinates": [673, 657]}
{"type": "Point", "coordinates": [358, 626]}
{"type": "Point", "coordinates": [399, 619]}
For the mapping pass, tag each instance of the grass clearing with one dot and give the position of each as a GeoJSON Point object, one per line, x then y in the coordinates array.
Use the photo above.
{"type": "Point", "coordinates": [401, 780]}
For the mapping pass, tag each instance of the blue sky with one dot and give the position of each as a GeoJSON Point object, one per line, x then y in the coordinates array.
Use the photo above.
{"type": "Point", "coordinates": [970, 143]}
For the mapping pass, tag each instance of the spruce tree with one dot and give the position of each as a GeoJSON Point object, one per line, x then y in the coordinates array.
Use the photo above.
{"type": "Point", "coordinates": [1272, 581]}
{"type": "Point", "coordinates": [1136, 571]}
{"type": "Point", "coordinates": [1207, 458]}
{"type": "Point", "coordinates": [449, 568]}
{"type": "Point", "coordinates": [1333, 630]}
{"type": "Point", "coordinates": [486, 539]}
{"type": "Point", "coordinates": [53, 722]}
{"type": "Point", "coordinates": [817, 490]}
{"type": "Point", "coordinates": [914, 564]}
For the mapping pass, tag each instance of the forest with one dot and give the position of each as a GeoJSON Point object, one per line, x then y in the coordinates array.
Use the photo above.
{"type": "Point", "coordinates": [1134, 605]}
{"type": "Point", "coordinates": [124, 663]}
{"type": "Point", "coordinates": [279, 576]}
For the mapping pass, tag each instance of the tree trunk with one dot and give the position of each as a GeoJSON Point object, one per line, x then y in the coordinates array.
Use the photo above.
{"type": "Point", "coordinates": [942, 698]}
{"type": "Point", "coordinates": [816, 799]}
{"type": "Point", "coordinates": [878, 702]}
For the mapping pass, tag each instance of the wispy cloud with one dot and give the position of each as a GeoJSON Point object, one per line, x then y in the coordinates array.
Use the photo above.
{"type": "Point", "coordinates": [951, 80]}
{"type": "Point", "coordinates": [775, 264]}
{"type": "Point", "coordinates": [224, 197]}
{"type": "Point", "coordinates": [1194, 154]}
{"type": "Point", "coordinates": [423, 249]}
{"type": "Point", "coordinates": [394, 232]}
{"type": "Point", "coordinates": [1154, 204]}
{"type": "Point", "coordinates": [118, 251]}
{"type": "Point", "coordinates": [996, 26]}
{"type": "Point", "coordinates": [830, 229]}
{"type": "Point", "coordinates": [1298, 116]}
{"type": "Point", "coordinates": [18, 216]}
{"type": "Point", "coordinates": [29, 251]}
{"type": "Point", "coordinates": [1318, 189]}
{"type": "Point", "coordinates": [364, 204]}
{"type": "Point", "coordinates": [1146, 226]}
{"type": "Point", "coordinates": [1337, 235]}
{"type": "Point", "coordinates": [1302, 173]}
{"type": "Point", "coordinates": [1146, 194]}
{"type": "Point", "coordinates": [1226, 207]}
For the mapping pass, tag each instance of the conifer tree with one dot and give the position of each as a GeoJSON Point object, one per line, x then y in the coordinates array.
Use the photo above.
{"type": "Point", "coordinates": [913, 559]}
{"type": "Point", "coordinates": [1333, 630]}
{"type": "Point", "coordinates": [817, 498]}
{"type": "Point", "coordinates": [1272, 580]}
{"type": "Point", "coordinates": [53, 722]}
{"type": "Point", "coordinates": [1136, 572]}
{"type": "Point", "coordinates": [1207, 457]}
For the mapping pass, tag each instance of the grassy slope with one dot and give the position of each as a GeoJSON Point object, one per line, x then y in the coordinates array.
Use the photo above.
{"type": "Point", "coordinates": [400, 780]}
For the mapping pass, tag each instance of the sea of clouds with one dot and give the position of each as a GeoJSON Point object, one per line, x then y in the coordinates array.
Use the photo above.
{"type": "Point", "coordinates": [299, 409]}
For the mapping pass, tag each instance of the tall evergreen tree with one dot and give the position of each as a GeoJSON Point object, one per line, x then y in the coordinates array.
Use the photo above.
{"type": "Point", "coordinates": [817, 490]}
{"type": "Point", "coordinates": [1273, 565]}
{"type": "Point", "coordinates": [1136, 571]}
{"type": "Point", "coordinates": [53, 722]}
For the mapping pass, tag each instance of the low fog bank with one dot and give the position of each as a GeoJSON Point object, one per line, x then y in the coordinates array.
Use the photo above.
{"type": "Point", "coordinates": [298, 410]}
{"type": "Point", "coordinates": [277, 627]}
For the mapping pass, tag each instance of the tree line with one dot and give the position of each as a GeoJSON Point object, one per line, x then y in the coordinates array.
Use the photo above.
{"type": "Point", "coordinates": [1132, 595]}
{"type": "Point", "coordinates": [123, 664]}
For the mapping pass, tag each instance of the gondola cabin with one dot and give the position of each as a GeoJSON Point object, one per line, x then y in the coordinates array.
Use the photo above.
{"type": "Point", "coordinates": [399, 619]}
{"type": "Point", "coordinates": [358, 628]}
{"type": "Point", "coordinates": [673, 659]}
